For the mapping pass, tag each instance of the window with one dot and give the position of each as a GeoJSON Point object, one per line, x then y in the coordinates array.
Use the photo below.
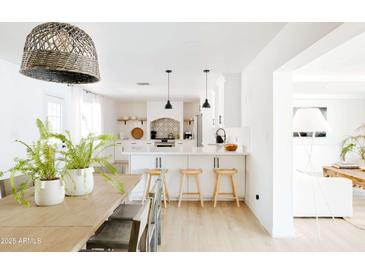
{"type": "Point", "coordinates": [54, 113]}
{"type": "Point", "coordinates": [90, 115]}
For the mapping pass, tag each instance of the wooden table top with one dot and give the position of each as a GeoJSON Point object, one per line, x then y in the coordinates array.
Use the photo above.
{"type": "Point", "coordinates": [43, 239]}
{"type": "Point", "coordinates": [354, 173]}
{"type": "Point", "coordinates": [77, 216]}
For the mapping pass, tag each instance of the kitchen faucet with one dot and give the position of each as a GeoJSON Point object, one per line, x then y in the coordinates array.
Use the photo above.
{"type": "Point", "coordinates": [220, 139]}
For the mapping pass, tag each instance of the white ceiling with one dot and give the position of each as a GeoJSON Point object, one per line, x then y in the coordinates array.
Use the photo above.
{"type": "Point", "coordinates": [340, 72]}
{"type": "Point", "coordinates": [344, 63]}
{"type": "Point", "coordinates": [141, 52]}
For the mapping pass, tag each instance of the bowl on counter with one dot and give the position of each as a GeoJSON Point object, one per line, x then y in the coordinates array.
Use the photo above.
{"type": "Point", "coordinates": [230, 147]}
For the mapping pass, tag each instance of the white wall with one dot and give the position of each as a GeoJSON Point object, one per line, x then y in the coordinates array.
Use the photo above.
{"type": "Point", "coordinates": [344, 116]}
{"type": "Point", "coordinates": [260, 110]}
{"type": "Point", "coordinates": [22, 101]}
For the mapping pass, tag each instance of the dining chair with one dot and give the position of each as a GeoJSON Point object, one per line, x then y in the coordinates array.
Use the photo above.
{"type": "Point", "coordinates": [123, 235]}
{"type": "Point", "coordinates": [113, 235]}
{"type": "Point", "coordinates": [154, 226]}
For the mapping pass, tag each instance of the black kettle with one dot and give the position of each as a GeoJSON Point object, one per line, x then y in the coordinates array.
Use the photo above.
{"type": "Point", "coordinates": [219, 138]}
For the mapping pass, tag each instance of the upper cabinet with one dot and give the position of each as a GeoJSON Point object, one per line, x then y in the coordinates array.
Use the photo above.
{"type": "Point", "coordinates": [227, 106]}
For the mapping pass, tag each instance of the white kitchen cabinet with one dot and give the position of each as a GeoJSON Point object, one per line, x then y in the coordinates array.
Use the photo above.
{"type": "Point", "coordinates": [173, 163]}
{"type": "Point", "coordinates": [228, 100]}
{"type": "Point", "coordinates": [219, 102]}
{"type": "Point", "coordinates": [118, 148]}
{"type": "Point", "coordinates": [206, 163]}
{"type": "Point", "coordinates": [185, 143]}
{"type": "Point", "coordinates": [127, 145]}
{"type": "Point", "coordinates": [139, 163]}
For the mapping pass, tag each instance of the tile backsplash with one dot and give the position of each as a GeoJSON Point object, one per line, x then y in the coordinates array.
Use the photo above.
{"type": "Point", "coordinates": [164, 126]}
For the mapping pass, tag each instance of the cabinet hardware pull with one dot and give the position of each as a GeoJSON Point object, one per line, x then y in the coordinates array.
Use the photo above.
{"type": "Point", "coordinates": [214, 162]}
{"type": "Point", "coordinates": [218, 162]}
{"type": "Point", "coordinates": [156, 163]}
{"type": "Point", "coordinates": [220, 119]}
{"type": "Point", "coordinates": [160, 163]}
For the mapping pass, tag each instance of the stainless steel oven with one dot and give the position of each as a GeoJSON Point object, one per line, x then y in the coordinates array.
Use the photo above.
{"type": "Point", "coordinates": [165, 143]}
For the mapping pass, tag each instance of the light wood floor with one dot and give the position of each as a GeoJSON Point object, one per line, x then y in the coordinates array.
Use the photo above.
{"type": "Point", "coordinates": [228, 228]}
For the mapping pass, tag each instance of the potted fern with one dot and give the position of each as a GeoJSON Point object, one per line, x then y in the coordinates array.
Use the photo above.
{"type": "Point", "coordinates": [41, 168]}
{"type": "Point", "coordinates": [79, 161]}
{"type": "Point", "coordinates": [354, 144]}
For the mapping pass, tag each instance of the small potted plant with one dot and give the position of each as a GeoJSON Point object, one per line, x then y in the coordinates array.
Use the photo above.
{"type": "Point", "coordinates": [79, 161]}
{"type": "Point", "coordinates": [354, 144]}
{"type": "Point", "coordinates": [41, 168]}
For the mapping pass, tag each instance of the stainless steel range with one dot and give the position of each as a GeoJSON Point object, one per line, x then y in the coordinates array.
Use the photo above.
{"type": "Point", "coordinates": [165, 142]}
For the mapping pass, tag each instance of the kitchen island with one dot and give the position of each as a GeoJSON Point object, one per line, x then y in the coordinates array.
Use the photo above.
{"type": "Point", "coordinates": [173, 159]}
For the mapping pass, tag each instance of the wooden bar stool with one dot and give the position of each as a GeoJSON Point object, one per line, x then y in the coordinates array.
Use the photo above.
{"type": "Point", "coordinates": [157, 172]}
{"type": "Point", "coordinates": [219, 172]}
{"type": "Point", "coordinates": [190, 172]}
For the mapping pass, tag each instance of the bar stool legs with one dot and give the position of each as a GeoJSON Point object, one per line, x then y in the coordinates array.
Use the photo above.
{"type": "Point", "coordinates": [165, 192]}
{"type": "Point", "coordinates": [190, 172]}
{"type": "Point", "coordinates": [216, 188]}
{"type": "Point", "coordinates": [197, 180]}
{"type": "Point", "coordinates": [235, 191]}
{"type": "Point", "coordinates": [219, 172]}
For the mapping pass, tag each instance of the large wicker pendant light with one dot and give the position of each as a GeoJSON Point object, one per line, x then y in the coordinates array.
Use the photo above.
{"type": "Point", "coordinates": [206, 103]}
{"type": "Point", "coordinates": [168, 104]}
{"type": "Point", "coordinates": [60, 52]}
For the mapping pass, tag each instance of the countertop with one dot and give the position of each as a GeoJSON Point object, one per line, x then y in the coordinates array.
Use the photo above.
{"type": "Point", "coordinates": [207, 150]}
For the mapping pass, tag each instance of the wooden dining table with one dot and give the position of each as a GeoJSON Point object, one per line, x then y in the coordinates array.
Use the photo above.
{"type": "Point", "coordinates": [63, 227]}
{"type": "Point", "coordinates": [357, 176]}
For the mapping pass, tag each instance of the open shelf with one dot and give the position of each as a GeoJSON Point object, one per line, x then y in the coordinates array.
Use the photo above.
{"type": "Point", "coordinates": [130, 120]}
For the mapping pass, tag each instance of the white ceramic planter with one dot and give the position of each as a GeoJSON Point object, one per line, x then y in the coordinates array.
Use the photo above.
{"type": "Point", "coordinates": [79, 182]}
{"type": "Point", "coordinates": [48, 193]}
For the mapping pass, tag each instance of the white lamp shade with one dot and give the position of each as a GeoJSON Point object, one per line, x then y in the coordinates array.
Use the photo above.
{"type": "Point", "coordinates": [309, 120]}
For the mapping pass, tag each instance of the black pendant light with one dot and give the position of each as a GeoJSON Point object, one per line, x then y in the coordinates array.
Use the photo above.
{"type": "Point", "coordinates": [206, 103]}
{"type": "Point", "coordinates": [168, 104]}
{"type": "Point", "coordinates": [60, 52]}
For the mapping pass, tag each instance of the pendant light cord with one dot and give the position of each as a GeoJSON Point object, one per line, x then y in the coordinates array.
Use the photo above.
{"type": "Point", "coordinates": [206, 84]}
{"type": "Point", "coordinates": [168, 86]}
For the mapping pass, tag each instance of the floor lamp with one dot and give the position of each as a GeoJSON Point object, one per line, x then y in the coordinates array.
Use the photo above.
{"type": "Point", "coordinates": [311, 120]}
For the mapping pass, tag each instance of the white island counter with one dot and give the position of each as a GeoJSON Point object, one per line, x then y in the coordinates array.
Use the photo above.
{"type": "Point", "coordinates": [206, 150]}
{"type": "Point", "coordinates": [173, 159]}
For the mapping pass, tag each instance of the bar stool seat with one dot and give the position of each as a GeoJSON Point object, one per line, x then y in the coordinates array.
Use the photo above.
{"type": "Point", "coordinates": [157, 172]}
{"type": "Point", "coordinates": [230, 172]}
{"type": "Point", "coordinates": [190, 172]}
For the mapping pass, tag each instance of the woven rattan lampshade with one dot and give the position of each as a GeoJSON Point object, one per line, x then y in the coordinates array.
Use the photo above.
{"type": "Point", "coordinates": [60, 52]}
